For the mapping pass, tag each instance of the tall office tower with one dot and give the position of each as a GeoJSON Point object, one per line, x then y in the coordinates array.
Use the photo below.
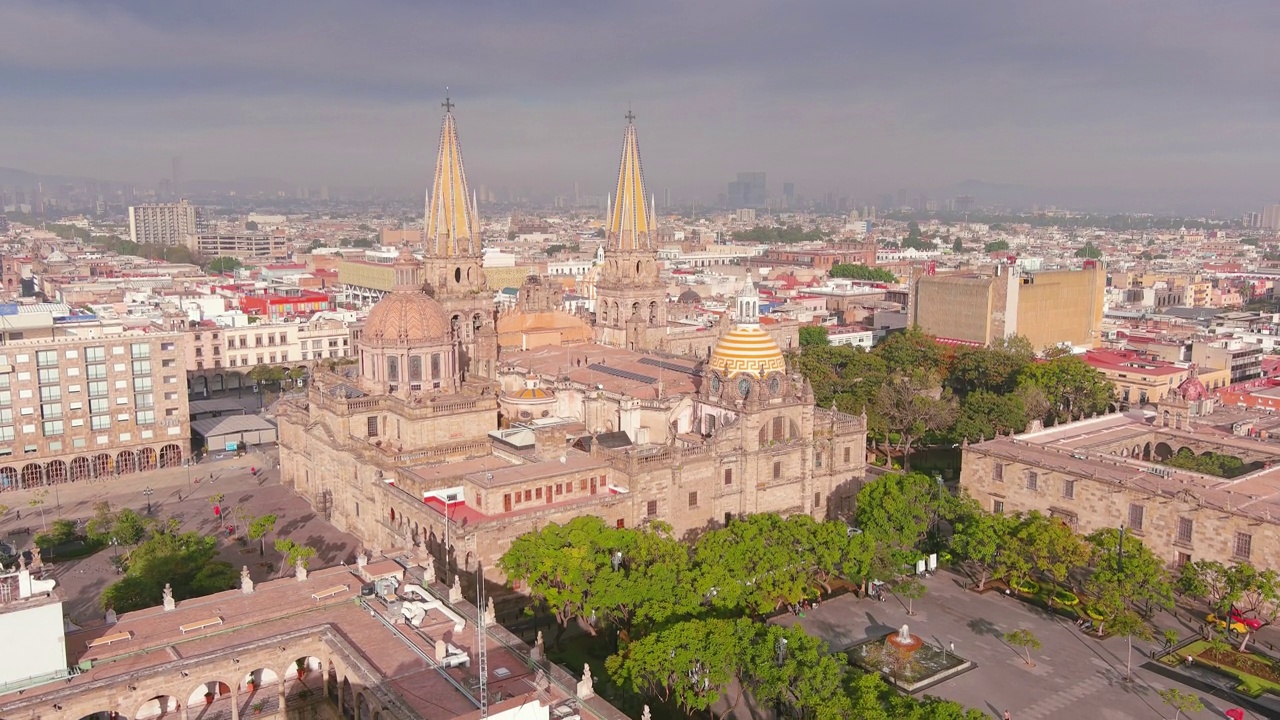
{"type": "Point", "coordinates": [577, 195]}
{"type": "Point", "coordinates": [666, 198]}
{"type": "Point", "coordinates": [324, 193]}
{"type": "Point", "coordinates": [163, 223]}
{"type": "Point", "coordinates": [1271, 217]}
{"type": "Point", "coordinates": [789, 194]}
{"type": "Point", "coordinates": [177, 175]}
{"type": "Point", "coordinates": [902, 198]}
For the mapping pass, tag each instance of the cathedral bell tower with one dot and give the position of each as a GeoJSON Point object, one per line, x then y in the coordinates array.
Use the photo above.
{"type": "Point", "coordinates": [452, 264]}
{"type": "Point", "coordinates": [631, 300]}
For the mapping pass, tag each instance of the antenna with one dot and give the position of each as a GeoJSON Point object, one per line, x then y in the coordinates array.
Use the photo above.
{"type": "Point", "coordinates": [482, 632]}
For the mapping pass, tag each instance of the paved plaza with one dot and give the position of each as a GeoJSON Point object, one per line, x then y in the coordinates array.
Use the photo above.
{"type": "Point", "coordinates": [1074, 676]}
{"type": "Point", "coordinates": [81, 581]}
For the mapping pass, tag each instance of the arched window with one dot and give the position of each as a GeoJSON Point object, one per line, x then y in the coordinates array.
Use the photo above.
{"type": "Point", "coordinates": [435, 366]}
{"type": "Point", "coordinates": [415, 368]}
{"type": "Point", "coordinates": [393, 369]}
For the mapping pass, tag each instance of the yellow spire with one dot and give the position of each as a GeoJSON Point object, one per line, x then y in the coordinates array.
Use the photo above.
{"type": "Point", "coordinates": [452, 228]}
{"type": "Point", "coordinates": [629, 220]}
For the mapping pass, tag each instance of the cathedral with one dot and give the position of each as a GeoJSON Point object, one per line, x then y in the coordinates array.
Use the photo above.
{"type": "Point", "coordinates": [437, 443]}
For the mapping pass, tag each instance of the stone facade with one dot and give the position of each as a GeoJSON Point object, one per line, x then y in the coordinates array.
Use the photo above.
{"type": "Point", "coordinates": [1102, 473]}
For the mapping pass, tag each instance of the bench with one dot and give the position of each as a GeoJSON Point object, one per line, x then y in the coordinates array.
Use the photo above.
{"type": "Point", "coordinates": [192, 627]}
{"type": "Point", "coordinates": [329, 592]}
{"type": "Point", "coordinates": [108, 639]}
{"type": "Point", "coordinates": [20, 531]}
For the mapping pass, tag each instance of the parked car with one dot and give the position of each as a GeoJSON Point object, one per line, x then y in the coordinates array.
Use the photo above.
{"type": "Point", "coordinates": [1236, 627]}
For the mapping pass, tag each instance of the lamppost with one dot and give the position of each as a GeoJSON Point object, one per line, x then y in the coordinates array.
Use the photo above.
{"type": "Point", "coordinates": [1120, 552]}
{"type": "Point", "coordinates": [57, 496]}
{"type": "Point", "coordinates": [147, 492]}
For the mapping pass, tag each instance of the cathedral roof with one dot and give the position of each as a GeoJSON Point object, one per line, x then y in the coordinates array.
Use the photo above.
{"type": "Point", "coordinates": [747, 350]}
{"type": "Point", "coordinates": [630, 223]}
{"type": "Point", "coordinates": [452, 226]}
{"type": "Point", "coordinates": [689, 297]}
{"type": "Point", "coordinates": [530, 393]}
{"type": "Point", "coordinates": [406, 318]}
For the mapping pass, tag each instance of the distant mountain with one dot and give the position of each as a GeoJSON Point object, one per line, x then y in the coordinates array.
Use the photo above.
{"type": "Point", "coordinates": [1092, 198]}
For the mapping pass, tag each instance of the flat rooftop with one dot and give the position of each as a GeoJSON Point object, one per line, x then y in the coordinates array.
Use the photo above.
{"type": "Point", "coordinates": [616, 370]}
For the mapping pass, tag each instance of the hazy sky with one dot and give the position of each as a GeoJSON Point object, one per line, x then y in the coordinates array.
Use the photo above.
{"type": "Point", "coordinates": [1175, 97]}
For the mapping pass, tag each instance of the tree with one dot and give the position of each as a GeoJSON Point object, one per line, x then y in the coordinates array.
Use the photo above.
{"type": "Point", "coordinates": [64, 531]}
{"type": "Point", "coordinates": [858, 271]}
{"type": "Point", "coordinates": [895, 513]}
{"type": "Point", "coordinates": [560, 563]}
{"type": "Point", "coordinates": [129, 528]}
{"type": "Point", "coordinates": [996, 246]}
{"type": "Point", "coordinates": [978, 536]}
{"type": "Point", "coordinates": [1134, 572]}
{"type": "Point", "coordinates": [911, 589]}
{"type": "Point", "coordinates": [1077, 389]}
{"type": "Point", "coordinates": [957, 246]}
{"type": "Point", "coordinates": [185, 561]}
{"type": "Point", "coordinates": [752, 565]}
{"type": "Point", "coordinates": [1053, 547]}
{"type": "Point", "coordinates": [1255, 595]}
{"type": "Point", "coordinates": [1089, 251]}
{"type": "Point", "coordinates": [1128, 623]}
{"type": "Point", "coordinates": [914, 406]}
{"type": "Point", "coordinates": [267, 374]}
{"type": "Point", "coordinates": [1181, 702]}
{"type": "Point", "coordinates": [785, 665]}
{"type": "Point", "coordinates": [38, 500]}
{"type": "Point", "coordinates": [1024, 639]}
{"type": "Point", "coordinates": [912, 350]}
{"type": "Point", "coordinates": [294, 552]}
{"type": "Point", "coordinates": [994, 369]}
{"type": "Point", "coordinates": [813, 335]}
{"type": "Point", "coordinates": [251, 226]}
{"type": "Point", "coordinates": [258, 529]}
{"type": "Point", "coordinates": [221, 265]}
{"type": "Point", "coordinates": [692, 663]}
{"type": "Point", "coordinates": [1208, 580]}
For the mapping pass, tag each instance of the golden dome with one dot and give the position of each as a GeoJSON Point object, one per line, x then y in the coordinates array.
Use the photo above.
{"type": "Point", "coordinates": [747, 350]}
{"type": "Point", "coordinates": [534, 393]}
{"type": "Point", "coordinates": [406, 318]}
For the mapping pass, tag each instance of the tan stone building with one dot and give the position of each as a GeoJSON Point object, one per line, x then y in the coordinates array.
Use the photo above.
{"type": "Point", "coordinates": [1048, 308]}
{"type": "Point", "coordinates": [417, 447]}
{"type": "Point", "coordinates": [1104, 472]}
{"type": "Point", "coordinates": [92, 400]}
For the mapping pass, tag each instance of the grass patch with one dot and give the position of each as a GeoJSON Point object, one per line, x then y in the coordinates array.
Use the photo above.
{"type": "Point", "coordinates": [1027, 587]}
{"type": "Point", "coordinates": [1231, 664]}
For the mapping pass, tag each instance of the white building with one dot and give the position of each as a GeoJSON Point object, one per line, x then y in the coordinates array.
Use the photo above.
{"type": "Point", "coordinates": [162, 223]}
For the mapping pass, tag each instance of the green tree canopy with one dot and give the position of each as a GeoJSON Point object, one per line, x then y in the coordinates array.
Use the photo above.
{"type": "Point", "coordinates": [862, 272]}
{"type": "Point", "coordinates": [813, 335]}
{"type": "Point", "coordinates": [1074, 389]}
{"type": "Point", "coordinates": [185, 561]}
{"type": "Point", "coordinates": [224, 265]}
{"type": "Point", "coordinates": [1089, 251]}
{"type": "Point", "coordinates": [996, 246]}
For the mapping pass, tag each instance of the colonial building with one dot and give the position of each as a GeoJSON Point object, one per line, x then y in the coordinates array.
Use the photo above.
{"type": "Point", "coordinates": [409, 449]}
{"type": "Point", "coordinates": [1110, 471]}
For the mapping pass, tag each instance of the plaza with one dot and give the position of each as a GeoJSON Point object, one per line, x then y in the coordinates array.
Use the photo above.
{"type": "Point", "coordinates": [1074, 675]}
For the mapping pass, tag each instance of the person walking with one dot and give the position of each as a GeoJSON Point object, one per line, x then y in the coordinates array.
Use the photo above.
{"type": "Point", "coordinates": [1007, 716]}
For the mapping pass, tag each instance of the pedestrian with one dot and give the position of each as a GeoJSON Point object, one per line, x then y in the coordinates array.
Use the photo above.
{"type": "Point", "coordinates": [1007, 716]}
{"type": "Point", "coordinates": [19, 514]}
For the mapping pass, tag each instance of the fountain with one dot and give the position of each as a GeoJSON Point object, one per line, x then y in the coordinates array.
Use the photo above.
{"type": "Point", "coordinates": [906, 661]}
{"type": "Point", "coordinates": [904, 641]}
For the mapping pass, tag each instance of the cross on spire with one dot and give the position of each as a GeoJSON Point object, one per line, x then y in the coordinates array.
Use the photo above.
{"type": "Point", "coordinates": [447, 104]}
{"type": "Point", "coordinates": [630, 116]}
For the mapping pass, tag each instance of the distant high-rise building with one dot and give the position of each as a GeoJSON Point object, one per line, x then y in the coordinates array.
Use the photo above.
{"type": "Point", "coordinates": [177, 175]}
{"type": "Point", "coordinates": [163, 223]}
{"type": "Point", "coordinates": [324, 193]}
{"type": "Point", "coordinates": [789, 194]}
{"type": "Point", "coordinates": [748, 190]}
{"type": "Point", "coordinates": [1271, 217]}
{"type": "Point", "coordinates": [666, 198]}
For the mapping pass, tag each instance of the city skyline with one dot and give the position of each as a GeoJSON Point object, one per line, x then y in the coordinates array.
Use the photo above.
{"type": "Point", "coordinates": [862, 98]}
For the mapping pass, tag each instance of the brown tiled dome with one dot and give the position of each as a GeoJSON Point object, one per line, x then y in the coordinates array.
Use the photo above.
{"type": "Point", "coordinates": [406, 318]}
